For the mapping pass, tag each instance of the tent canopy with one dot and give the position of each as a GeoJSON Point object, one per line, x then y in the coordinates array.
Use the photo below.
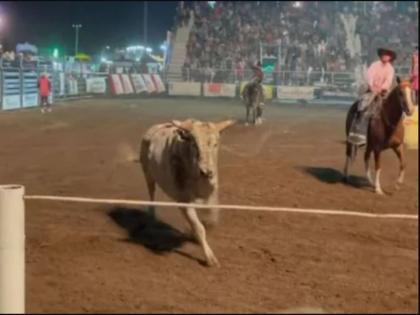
{"type": "Point", "coordinates": [83, 57]}
{"type": "Point", "coordinates": [26, 47]}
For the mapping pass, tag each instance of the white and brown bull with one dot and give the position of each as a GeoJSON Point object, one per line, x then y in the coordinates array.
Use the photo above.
{"type": "Point", "coordinates": [182, 158]}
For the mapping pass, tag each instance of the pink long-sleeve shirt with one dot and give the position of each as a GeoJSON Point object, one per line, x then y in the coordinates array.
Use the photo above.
{"type": "Point", "coordinates": [380, 76]}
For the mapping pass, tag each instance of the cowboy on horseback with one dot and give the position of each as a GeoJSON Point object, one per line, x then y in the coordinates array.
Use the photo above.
{"type": "Point", "coordinates": [253, 93]}
{"type": "Point", "coordinates": [380, 76]}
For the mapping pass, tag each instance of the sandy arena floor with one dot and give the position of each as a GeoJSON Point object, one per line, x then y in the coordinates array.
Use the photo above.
{"type": "Point", "coordinates": [92, 258]}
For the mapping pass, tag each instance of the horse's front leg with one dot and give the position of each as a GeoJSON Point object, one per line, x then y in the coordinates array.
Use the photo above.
{"type": "Point", "coordinates": [367, 166]}
{"type": "Point", "coordinates": [349, 160]}
{"type": "Point", "coordinates": [247, 113]}
{"type": "Point", "coordinates": [399, 151]}
{"type": "Point", "coordinates": [378, 188]}
{"type": "Point", "coordinates": [254, 114]}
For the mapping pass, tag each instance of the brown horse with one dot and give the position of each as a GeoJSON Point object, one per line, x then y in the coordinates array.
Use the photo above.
{"type": "Point", "coordinates": [253, 96]}
{"type": "Point", "coordinates": [386, 131]}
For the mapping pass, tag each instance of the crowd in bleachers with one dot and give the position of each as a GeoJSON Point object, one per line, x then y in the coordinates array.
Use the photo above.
{"type": "Point", "coordinates": [226, 36]}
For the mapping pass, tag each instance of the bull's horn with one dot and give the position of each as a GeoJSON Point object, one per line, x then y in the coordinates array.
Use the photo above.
{"type": "Point", "coordinates": [225, 124]}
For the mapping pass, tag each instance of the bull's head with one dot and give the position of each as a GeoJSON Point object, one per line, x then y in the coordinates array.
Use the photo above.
{"type": "Point", "coordinates": [406, 91]}
{"type": "Point", "coordinates": [202, 144]}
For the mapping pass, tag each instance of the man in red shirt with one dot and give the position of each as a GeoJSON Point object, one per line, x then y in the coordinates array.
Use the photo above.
{"type": "Point", "coordinates": [44, 87]}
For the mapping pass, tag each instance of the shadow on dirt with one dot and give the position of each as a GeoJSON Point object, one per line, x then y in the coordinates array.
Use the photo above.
{"type": "Point", "coordinates": [144, 229]}
{"type": "Point", "coordinates": [332, 176]}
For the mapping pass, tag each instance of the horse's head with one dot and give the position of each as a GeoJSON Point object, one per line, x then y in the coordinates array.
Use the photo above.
{"type": "Point", "coordinates": [405, 95]}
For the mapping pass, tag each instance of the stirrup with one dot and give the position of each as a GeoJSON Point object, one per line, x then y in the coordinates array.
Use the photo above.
{"type": "Point", "coordinates": [356, 139]}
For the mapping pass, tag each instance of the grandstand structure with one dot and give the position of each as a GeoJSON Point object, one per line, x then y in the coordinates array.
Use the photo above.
{"type": "Point", "coordinates": [298, 43]}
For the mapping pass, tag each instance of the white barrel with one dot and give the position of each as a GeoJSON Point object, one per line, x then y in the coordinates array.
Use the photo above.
{"type": "Point", "coordinates": [12, 249]}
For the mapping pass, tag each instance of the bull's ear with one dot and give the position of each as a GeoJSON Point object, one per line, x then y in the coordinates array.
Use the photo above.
{"type": "Point", "coordinates": [223, 125]}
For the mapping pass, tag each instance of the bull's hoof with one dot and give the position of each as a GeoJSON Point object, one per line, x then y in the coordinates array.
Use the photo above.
{"type": "Point", "coordinates": [213, 262]}
{"type": "Point", "coordinates": [379, 192]}
{"type": "Point", "coordinates": [398, 186]}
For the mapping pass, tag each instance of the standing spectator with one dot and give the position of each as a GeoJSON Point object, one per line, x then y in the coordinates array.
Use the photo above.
{"type": "Point", "coordinates": [415, 74]}
{"type": "Point", "coordinates": [44, 87]}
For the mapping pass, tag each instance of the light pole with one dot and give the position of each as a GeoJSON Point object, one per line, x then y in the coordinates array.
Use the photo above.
{"type": "Point", "coordinates": [76, 44]}
{"type": "Point", "coordinates": [145, 22]}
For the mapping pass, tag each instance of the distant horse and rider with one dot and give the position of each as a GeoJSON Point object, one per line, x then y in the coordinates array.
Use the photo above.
{"type": "Point", "coordinates": [376, 120]}
{"type": "Point", "coordinates": [253, 96]}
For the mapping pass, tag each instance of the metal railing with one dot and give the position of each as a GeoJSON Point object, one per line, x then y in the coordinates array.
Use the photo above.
{"type": "Point", "coordinates": [18, 85]}
{"type": "Point", "coordinates": [296, 78]}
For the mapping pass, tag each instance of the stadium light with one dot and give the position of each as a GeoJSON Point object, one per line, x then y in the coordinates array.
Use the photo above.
{"type": "Point", "coordinates": [297, 4]}
{"type": "Point", "coordinates": [103, 59]}
{"type": "Point", "coordinates": [55, 53]}
{"type": "Point", "coordinates": [163, 47]}
{"type": "Point", "coordinates": [149, 50]}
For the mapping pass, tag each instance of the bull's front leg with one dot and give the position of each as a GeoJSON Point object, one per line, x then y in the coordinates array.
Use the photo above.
{"type": "Point", "coordinates": [211, 216]}
{"type": "Point", "coordinates": [200, 234]}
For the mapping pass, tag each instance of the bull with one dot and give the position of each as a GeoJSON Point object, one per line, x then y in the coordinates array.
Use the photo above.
{"type": "Point", "coordinates": [182, 158]}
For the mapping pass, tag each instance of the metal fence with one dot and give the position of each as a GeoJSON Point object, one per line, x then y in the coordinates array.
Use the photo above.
{"type": "Point", "coordinates": [18, 85]}
{"type": "Point", "coordinates": [276, 77]}
{"type": "Point", "coordinates": [295, 78]}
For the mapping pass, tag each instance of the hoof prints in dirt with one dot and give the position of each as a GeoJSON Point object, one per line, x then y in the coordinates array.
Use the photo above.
{"type": "Point", "coordinates": [144, 229]}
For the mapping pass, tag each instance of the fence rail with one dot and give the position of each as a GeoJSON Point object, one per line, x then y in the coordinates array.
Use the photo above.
{"type": "Point", "coordinates": [276, 77]}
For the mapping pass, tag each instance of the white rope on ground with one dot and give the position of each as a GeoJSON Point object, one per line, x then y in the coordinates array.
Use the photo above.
{"type": "Point", "coordinates": [226, 207]}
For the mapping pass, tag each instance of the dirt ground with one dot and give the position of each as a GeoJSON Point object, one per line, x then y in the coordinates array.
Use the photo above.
{"type": "Point", "coordinates": [94, 258]}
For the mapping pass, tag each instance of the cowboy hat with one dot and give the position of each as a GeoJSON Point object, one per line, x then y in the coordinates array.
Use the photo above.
{"type": "Point", "coordinates": [388, 52]}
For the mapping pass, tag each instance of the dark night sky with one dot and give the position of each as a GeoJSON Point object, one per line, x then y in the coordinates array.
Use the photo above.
{"type": "Point", "coordinates": [48, 23]}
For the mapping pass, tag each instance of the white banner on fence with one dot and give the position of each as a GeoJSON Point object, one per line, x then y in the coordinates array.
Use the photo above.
{"type": "Point", "coordinates": [116, 85]}
{"type": "Point", "coordinates": [96, 85]}
{"type": "Point", "coordinates": [73, 89]}
{"type": "Point", "coordinates": [185, 88]}
{"type": "Point", "coordinates": [62, 84]}
{"type": "Point", "coordinates": [138, 83]}
{"type": "Point", "coordinates": [160, 87]}
{"type": "Point", "coordinates": [30, 100]}
{"type": "Point", "coordinates": [219, 90]}
{"type": "Point", "coordinates": [295, 92]}
{"type": "Point", "coordinates": [149, 83]}
{"type": "Point", "coordinates": [11, 102]}
{"type": "Point", "coordinates": [126, 83]}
